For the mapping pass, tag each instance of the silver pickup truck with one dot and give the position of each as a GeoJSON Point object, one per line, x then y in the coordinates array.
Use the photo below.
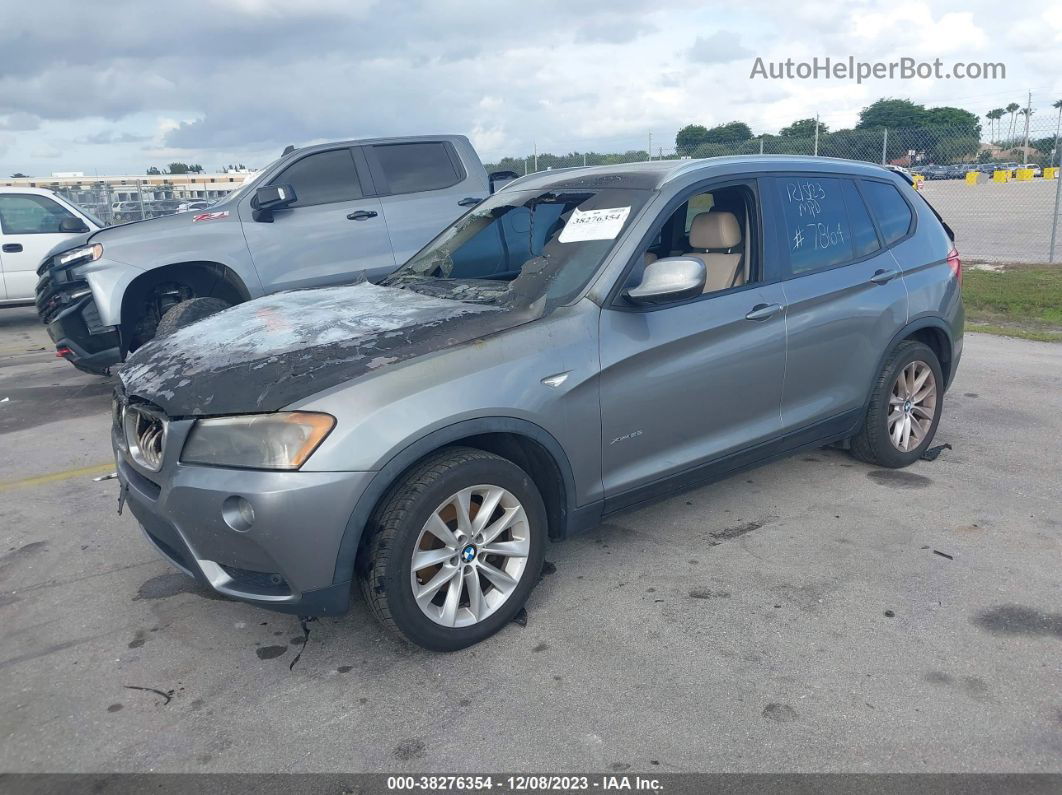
{"type": "Point", "coordinates": [319, 215]}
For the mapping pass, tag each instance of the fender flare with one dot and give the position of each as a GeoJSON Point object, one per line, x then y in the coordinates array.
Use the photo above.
{"type": "Point", "coordinates": [416, 449]}
{"type": "Point", "coordinates": [927, 321]}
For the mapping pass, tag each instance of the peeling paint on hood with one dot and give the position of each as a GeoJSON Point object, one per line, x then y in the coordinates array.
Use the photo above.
{"type": "Point", "coordinates": [267, 353]}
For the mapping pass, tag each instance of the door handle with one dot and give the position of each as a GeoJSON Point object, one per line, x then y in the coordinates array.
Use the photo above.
{"type": "Point", "coordinates": [764, 311]}
{"type": "Point", "coordinates": [12, 248]}
{"type": "Point", "coordinates": [468, 201]}
{"type": "Point", "coordinates": [361, 215]}
{"type": "Point", "coordinates": [882, 276]}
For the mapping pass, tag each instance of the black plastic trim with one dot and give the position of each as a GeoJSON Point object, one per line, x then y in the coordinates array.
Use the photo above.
{"type": "Point", "coordinates": [416, 450]}
{"type": "Point", "coordinates": [928, 321]}
{"type": "Point", "coordinates": [816, 435]}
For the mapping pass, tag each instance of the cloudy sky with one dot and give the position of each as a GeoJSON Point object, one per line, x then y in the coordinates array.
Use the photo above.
{"type": "Point", "coordinates": [113, 87]}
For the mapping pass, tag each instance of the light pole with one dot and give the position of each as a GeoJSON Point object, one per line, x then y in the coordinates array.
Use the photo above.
{"type": "Point", "coordinates": [1058, 125]}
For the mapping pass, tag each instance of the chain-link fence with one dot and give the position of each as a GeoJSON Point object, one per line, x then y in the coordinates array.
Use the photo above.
{"type": "Point", "coordinates": [115, 200]}
{"type": "Point", "coordinates": [134, 200]}
{"type": "Point", "coordinates": [998, 189]}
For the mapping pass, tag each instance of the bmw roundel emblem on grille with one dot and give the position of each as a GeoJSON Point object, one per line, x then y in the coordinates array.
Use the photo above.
{"type": "Point", "coordinates": [468, 554]}
{"type": "Point", "coordinates": [145, 436]}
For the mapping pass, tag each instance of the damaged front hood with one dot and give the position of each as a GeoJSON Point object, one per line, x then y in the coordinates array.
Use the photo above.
{"type": "Point", "coordinates": [267, 353]}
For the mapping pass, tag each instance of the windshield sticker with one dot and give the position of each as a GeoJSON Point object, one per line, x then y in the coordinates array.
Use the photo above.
{"type": "Point", "coordinates": [594, 225]}
{"type": "Point", "coordinates": [211, 216]}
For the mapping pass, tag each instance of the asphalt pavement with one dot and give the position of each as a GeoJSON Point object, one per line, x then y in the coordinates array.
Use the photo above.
{"type": "Point", "coordinates": [815, 614]}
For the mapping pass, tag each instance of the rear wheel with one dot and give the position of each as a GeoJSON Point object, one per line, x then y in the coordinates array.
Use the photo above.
{"type": "Point", "coordinates": [904, 408]}
{"type": "Point", "coordinates": [455, 549]}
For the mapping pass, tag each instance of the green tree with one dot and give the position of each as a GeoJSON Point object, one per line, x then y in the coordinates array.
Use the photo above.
{"type": "Point", "coordinates": [956, 120]}
{"type": "Point", "coordinates": [690, 136]}
{"type": "Point", "coordinates": [729, 132]}
{"type": "Point", "coordinates": [153, 171]}
{"type": "Point", "coordinates": [1045, 146]}
{"type": "Point", "coordinates": [891, 113]}
{"type": "Point", "coordinates": [790, 144]}
{"type": "Point", "coordinates": [857, 144]}
{"type": "Point", "coordinates": [802, 128]}
{"type": "Point", "coordinates": [184, 168]}
{"type": "Point", "coordinates": [19, 175]}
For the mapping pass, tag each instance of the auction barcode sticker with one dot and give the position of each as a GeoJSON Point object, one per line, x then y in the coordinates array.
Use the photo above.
{"type": "Point", "coordinates": [594, 225]}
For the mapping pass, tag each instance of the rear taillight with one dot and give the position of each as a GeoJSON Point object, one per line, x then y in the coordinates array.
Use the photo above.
{"type": "Point", "coordinates": [955, 264]}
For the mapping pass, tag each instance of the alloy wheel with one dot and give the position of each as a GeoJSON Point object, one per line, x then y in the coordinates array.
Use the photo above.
{"type": "Point", "coordinates": [912, 406]}
{"type": "Point", "coordinates": [470, 555]}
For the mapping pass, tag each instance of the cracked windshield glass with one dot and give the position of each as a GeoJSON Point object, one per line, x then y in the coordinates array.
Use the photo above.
{"type": "Point", "coordinates": [519, 247]}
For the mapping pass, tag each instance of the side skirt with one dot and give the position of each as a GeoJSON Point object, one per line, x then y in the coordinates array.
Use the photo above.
{"type": "Point", "coordinates": [818, 435]}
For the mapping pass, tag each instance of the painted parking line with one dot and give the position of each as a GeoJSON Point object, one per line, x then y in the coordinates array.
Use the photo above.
{"type": "Point", "coordinates": [54, 477]}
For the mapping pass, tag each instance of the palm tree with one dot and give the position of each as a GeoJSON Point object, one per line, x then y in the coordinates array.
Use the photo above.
{"type": "Point", "coordinates": [994, 116]}
{"type": "Point", "coordinates": [1000, 113]}
{"type": "Point", "coordinates": [1013, 106]}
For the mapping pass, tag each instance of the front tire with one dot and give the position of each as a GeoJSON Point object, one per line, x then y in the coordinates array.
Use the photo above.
{"type": "Point", "coordinates": [187, 312]}
{"type": "Point", "coordinates": [904, 409]}
{"type": "Point", "coordinates": [454, 549]}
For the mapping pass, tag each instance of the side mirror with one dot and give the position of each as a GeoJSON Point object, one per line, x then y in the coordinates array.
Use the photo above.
{"type": "Point", "coordinates": [274, 197]}
{"type": "Point", "coordinates": [72, 225]}
{"type": "Point", "coordinates": [669, 279]}
{"type": "Point", "coordinates": [499, 179]}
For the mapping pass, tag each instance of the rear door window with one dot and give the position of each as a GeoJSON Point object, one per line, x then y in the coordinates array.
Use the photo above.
{"type": "Point", "coordinates": [816, 227]}
{"type": "Point", "coordinates": [415, 167]}
{"type": "Point", "coordinates": [889, 208]}
{"type": "Point", "coordinates": [322, 178]}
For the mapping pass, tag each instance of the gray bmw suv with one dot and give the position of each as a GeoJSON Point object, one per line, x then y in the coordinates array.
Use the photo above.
{"type": "Point", "coordinates": [581, 342]}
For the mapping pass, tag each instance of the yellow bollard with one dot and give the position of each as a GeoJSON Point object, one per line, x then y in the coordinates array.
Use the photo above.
{"type": "Point", "coordinates": [973, 177]}
{"type": "Point", "coordinates": [1051, 173]}
{"type": "Point", "coordinates": [1025, 174]}
{"type": "Point", "coordinates": [1001, 176]}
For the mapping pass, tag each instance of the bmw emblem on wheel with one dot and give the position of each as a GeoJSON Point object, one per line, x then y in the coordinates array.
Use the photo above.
{"type": "Point", "coordinates": [468, 554]}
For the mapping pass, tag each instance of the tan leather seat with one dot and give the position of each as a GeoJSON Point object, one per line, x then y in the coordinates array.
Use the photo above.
{"type": "Point", "coordinates": [715, 235]}
{"type": "Point", "coordinates": [650, 257]}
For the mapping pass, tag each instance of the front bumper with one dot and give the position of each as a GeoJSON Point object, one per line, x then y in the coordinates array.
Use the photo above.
{"type": "Point", "coordinates": [66, 306]}
{"type": "Point", "coordinates": [284, 560]}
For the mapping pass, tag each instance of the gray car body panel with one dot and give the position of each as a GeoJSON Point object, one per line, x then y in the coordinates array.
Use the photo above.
{"type": "Point", "coordinates": [285, 257]}
{"type": "Point", "coordinates": [652, 400]}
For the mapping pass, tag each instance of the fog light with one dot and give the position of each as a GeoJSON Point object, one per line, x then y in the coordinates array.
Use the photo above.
{"type": "Point", "coordinates": [237, 513]}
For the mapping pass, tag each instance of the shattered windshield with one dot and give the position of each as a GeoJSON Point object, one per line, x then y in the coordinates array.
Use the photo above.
{"type": "Point", "coordinates": [523, 246]}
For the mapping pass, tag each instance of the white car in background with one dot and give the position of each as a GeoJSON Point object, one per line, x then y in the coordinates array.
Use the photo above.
{"type": "Point", "coordinates": [33, 221]}
{"type": "Point", "coordinates": [194, 204]}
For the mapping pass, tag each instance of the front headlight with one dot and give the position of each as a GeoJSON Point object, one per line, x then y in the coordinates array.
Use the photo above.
{"type": "Point", "coordinates": [257, 441]}
{"type": "Point", "coordinates": [83, 254]}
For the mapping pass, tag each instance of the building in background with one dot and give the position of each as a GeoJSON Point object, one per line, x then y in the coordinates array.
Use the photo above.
{"type": "Point", "coordinates": [131, 197]}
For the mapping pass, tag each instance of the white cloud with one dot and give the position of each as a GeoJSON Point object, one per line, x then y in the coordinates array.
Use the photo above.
{"type": "Point", "coordinates": [571, 75]}
{"type": "Point", "coordinates": [719, 47]}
